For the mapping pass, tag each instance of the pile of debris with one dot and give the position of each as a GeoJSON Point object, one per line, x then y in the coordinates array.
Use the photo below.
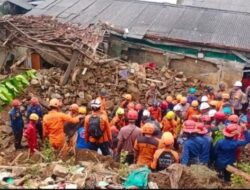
{"type": "Point", "coordinates": [117, 79]}
{"type": "Point", "coordinates": [91, 170]}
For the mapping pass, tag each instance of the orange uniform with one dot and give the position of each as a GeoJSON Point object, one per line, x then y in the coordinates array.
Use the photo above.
{"type": "Point", "coordinates": [145, 148]}
{"type": "Point", "coordinates": [169, 126]}
{"type": "Point", "coordinates": [118, 122]}
{"type": "Point", "coordinates": [163, 158]}
{"type": "Point", "coordinates": [191, 112]}
{"type": "Point", "coordinates": [104, 125]}
{"type": "Point", "coordinates": [155, 113]}
{"type": "Point", "coordinates": [53, 127]}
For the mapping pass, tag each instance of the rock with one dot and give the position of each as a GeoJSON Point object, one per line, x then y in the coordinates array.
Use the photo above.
{"type": "Point", "coordinates": [67, 95]}
{"type": "Point", "coordinates": [152, 185]}
{"type": "Point", "coordinates": [34, 82]}
{"type": "Point", "coordinates": [6, 129]}
{"type": "Point", "coordinates": [18, 171]}
{"type": "Point", "coordinates": [60, 171]}
{"type": "Point", "coordinates": [56, 95]}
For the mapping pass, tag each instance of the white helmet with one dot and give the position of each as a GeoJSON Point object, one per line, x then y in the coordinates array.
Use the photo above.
{"type": "Point", "coordinates": [95, 103]}
{"type": "Point", "coordinates": [204, 99]}
{"type": "Point", "coordinates": [178, 107]}
{"type": "Point", "coordinates": [212, 113]}
{"type": "Point", "coordinates": [238, 84]}
{"type": "Point", "coordinates": [204, 106]}
{"type": "Point", "coordinates": [146, 113]}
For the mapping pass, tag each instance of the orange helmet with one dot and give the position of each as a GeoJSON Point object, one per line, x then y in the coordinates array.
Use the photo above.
{"type": "Point", "coordinates": [178, 97]}
{"type": "Point", "coordinates": [148, 128]}
{"type": "Point", "coordinates": [183, 100]}
{"type": "Point", "coordinates": [74, 107]}
{"type": "Point", "coordinates": [195, 103]}
{"type": "Point", "coordinates": [169, 99]}
{"type": "Point", "coordinates": [16, 103]}
{"type": "Point", "coordinates": [226, 96]}
{"type": "Point", "coordinates": [34, 101]}
{"type": "Point", "coordinates": [167, 138]}
{"type": "Point", "coordinates": [213, 103]}
{"type": "Point", "coordinates": [233, 118]}
{"type": "Point", "coordinates": [131, 106]}
{"type": "Point", "coordinates": [127, 97]}
{"type": "Point", "coordinates": [54, 103]}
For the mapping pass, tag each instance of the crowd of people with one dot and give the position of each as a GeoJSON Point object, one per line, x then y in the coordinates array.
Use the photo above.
{"type": "Point", "coordinates": [208, 129]}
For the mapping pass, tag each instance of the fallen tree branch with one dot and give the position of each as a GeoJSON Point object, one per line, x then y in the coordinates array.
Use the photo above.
{"type": "Point", "coordinates": [238, 172]}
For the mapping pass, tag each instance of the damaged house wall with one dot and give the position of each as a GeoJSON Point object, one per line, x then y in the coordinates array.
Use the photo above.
{"type": "Point", "coordinates": [211, 70]}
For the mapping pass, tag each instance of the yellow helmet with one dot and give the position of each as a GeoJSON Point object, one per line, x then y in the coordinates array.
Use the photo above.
{"type": "Point", "coordinates": [170, 115]}
{"type": "Point", "coordinates": [119, 111]}
{"type": "Point", "coordinates": [167, 138]}
{"type": "Point", "coordinates": [34, 117]}
{"type": "Point", "coordinates": [178, 97]}
{"type": "Point", "coordinates": [82, 110]}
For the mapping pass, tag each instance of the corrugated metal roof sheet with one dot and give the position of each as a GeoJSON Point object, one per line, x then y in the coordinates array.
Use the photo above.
{"type": "Point", "coordinates": [175, 22]}
{"type": "Point", "coordinates": [230, 5]}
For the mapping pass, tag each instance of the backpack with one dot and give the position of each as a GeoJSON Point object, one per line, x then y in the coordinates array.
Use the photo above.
{"type": "Point", "coordinates": [95, 127]}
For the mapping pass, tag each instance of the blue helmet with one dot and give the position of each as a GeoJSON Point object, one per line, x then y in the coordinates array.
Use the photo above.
{"type": "Point", "coordinates": [192, 90]}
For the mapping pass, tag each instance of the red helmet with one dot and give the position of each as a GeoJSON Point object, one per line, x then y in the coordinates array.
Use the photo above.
{"type": "Point", "coordinates": [201, 128]}
{"type": "Point", "coordinates": [205, 118]}
{"type": "Point", "coordinates": [220, 116]}
{"type": "Point", "coordinates": [132, 115]}
{"type": "Point", "coordinates": [189, 126]}
{"type": "Point", "coordinates": [16, 103]}
{"type": "Point", "coordinates": [233, 118]}
{"type": "Point", "coordinates": [138, 107]}
{"type": "Point", "coordinates": [231, 130]}
{"type": "Point", "coordinates": [164, 105]}
{"type": "Point", "coordinates": [34, 101]}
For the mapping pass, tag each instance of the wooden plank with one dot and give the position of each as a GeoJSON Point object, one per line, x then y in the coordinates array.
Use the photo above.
{"type": "Point", "coordinates": [70, 67]}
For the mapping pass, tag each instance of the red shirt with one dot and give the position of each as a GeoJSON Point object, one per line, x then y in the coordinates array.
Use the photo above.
{"type": "Point", "coordinates": [31, 136]}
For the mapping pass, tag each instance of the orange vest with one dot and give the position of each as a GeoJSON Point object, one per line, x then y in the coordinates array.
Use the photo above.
{"type": "Point", "coordinates": [169, 126]}
{"type": "Point", "coordinates": [155, 113]}
{"type": "Point", "coordinates": [191, 111]}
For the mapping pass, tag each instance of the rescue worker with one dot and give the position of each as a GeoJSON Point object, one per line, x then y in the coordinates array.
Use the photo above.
{"type": "Point", "coordinates": [165, 156]}
{"type": "Point", "coordinates": [16, 123]}
{"type": "Point", "coordinates": [169, 100]}
{"type": "Point", "coordinates": [73, 110]}
{"type": "Point", "coordinates": [204, 108]}
{"type": "Point", "coordinates": [204, 99]}
{"type": "Point", "coordinates": [185, 106]}
{"type": "Point", "coordinates": [146, 145]}
{"type": "Point", "coordinates": [53, 124]}
{"type": "Point", "coordinates": [225, 150]}
{"type": "Point", "coordinates": [178, 118]}
{"type": "Point", "coordinates": [213, 105]}
{"type": "Point", "coordinates": [226, 106]}
{"type": "Point", "coordinates": [191, 95]}
{"type": "Point", "coordinates": [217, 127]}
{"type": "Point", "coordinates": [118, 120]}
{"type": "Point", "coordinates": [206, 143]}
{"type": "Point", "coordinates": [237, 97]}
{"type": "Point", "coordinates": [80, 139]}
{"type": "Point", "coordinates": [192, 146]}
{"type": "Point", "coordinates": [192, 110]}
{"type": "Point", "coordinates": [127, 136]}
{"type": "Point", "coordinates": [123, 104]}
{"type": "Point", "coordinates": [210, 93]}
{"type": "Point", "coordinates": [222, 89]}
{"type": "Point", "coordinates": [164, 108]}
{"type": "Point", "coordinates": [152, 94]}
{"type": "Point", "coordinates": [36, 108]}
{"type": "Point", "coordinates": [169, 124]}
{"type": "Point", "coordinates": [139, 109]}
{"type": "Point", "coordinates": [155, 111]}
{"type": "Point", "coordinates": [233, 119]}
{"type": "Point", "coordinates": [30, 132]}
{"type": "Point", "coordinates": [178, 98]}
{"type": "Point", "coordinates": [97, 129]}
{"type": "Point", "coordinates": [146, 118]}
{"type": "Point", "coordinates": [102, 99]}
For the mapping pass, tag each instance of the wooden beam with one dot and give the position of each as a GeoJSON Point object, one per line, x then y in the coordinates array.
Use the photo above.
{"type": "Point", "coordinates": [71, 66]}
{"type": "Point", "coordinates": [238, 172]}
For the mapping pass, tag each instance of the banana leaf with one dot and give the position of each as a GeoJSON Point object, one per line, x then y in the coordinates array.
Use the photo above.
{"type": "Point", "coordinates": [18, 85]}
{"type": "Point", "coordinates": [11, 87]}
{"type": "Point", "coordinates": [22, 79]}
{"type": "Point", "coordinates": [31, 74]}
{"type": "Point", "coordinates": [5, 95]}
